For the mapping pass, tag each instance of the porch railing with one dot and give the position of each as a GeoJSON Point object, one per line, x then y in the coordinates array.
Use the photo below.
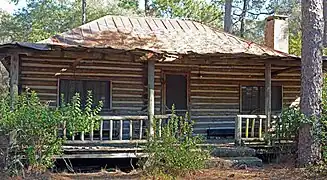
{"type": "Point", "coordinates": [249, 128]}
{"type": "Point", "coordinates": [114, 129]}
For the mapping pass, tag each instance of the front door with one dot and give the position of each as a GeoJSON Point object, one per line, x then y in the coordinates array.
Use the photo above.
{"type": "Point", "coordinates": [176, 92]}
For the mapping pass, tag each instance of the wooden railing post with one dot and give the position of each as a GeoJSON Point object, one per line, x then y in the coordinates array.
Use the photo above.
{"type": "Point", "coordinates": [130, 129]}
{"type": "Point", "coordinates": [253, 127]}
{"type": "Point", "coordinates": [110, 129]}
{"type": "Point", "coordinates": [121, 130]}
{"type": "Point", "coordinates": [141, 129]}
{"type": "Point", "coordinates": [238, 130]}
{"type": "Point", "coordinates": [101, 129]}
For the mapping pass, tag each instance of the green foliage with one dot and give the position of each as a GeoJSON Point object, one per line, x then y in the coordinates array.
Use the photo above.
{"type": "Point", "coordinates": [203, 11]}
{"type": "Point", "coordinates": [295, 44]}
{"type": "Point", "coordinates": [41, 19]}
{"type": "Point", "coordinates": [290, 121]}
{"type": "Point", "coordinates": [176, 151]}
{"type": "Point", "coordinates": [33, 126]}
{"type": "Point", "coordinates": [292, 118]}
{"type": "Point", "coordinates": [79, 119]}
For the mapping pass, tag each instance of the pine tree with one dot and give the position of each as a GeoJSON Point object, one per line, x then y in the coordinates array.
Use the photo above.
{"type": "Point", "coordinates": [311, 80]}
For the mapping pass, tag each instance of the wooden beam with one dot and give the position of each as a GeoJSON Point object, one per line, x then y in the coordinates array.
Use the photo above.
{"type": "Point", "coordinates": [238, 131]}
{"type": "Point", "coordinates": [267, 95]}
{"type": "Point", "coordinates": [289, 69]}
{"type": "Point", "coordinates": [14, 76]}
{"type": "Point", "coordinates": [151, 96]}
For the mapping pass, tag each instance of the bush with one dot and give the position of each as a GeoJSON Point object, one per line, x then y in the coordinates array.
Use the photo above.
{"type": "Point", "coordinates": [176, 151]}
{"type": "Point", "coordinates": [292, 118]}
{"type": "Point", "coordinates": [33, 126]}
{"type": "Point", "coordinates": [289, 123]}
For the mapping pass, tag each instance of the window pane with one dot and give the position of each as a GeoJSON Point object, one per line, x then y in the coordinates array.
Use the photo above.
{"type": "Point", "coordinates": [68, 88]}
{"type": "Point", "coordinates": [100, 90]}
{"type": "Point", "coordinates": [253, 99]}
{"type": "Point", "coordinates": [250, 98]}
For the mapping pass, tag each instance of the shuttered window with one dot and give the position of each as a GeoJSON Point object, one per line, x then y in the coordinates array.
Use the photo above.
{"type": "Point", "coordinates": [100, 91]}
{"type": "Point", "coordinates": [253, 99]}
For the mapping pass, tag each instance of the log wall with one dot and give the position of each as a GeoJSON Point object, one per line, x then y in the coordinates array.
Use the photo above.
{"type": "Point", "coordinates": [42, 73]}
{"type": "Point", "coordinates": [214, 90]}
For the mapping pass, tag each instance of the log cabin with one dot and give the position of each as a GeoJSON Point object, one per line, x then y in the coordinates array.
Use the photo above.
{"type": "Point", "coordinates": [140, 66]}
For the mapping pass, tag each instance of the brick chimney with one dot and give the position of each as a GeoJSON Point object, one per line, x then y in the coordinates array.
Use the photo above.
{"type": "Point", "coordinates": [276, 33]}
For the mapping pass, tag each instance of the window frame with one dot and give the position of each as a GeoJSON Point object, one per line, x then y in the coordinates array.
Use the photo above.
{"type": "Point", "coordinates": [164, 86]}
{"type": "Point", "coordinates": [260, 85]}
{"type": "Point", "coordinates": [85, 79]}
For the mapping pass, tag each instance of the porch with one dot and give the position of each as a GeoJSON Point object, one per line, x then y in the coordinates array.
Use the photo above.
{"type": "Point", "coordinates": [125, 137]}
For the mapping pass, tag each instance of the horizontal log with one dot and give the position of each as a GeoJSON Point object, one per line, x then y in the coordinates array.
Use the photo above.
{"type": "Point", "coordinates": [133, 117]}
{"type": "Point", "coordinates": [105, 155]}
{"type": "Point", "coordinates": [252, 116]}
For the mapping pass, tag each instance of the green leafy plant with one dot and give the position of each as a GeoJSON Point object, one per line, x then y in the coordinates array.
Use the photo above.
{"type": "Point", "coordinates": [78, 118]}
{"type": "Point", "coordinates": [33, 128]}
{"type": "Point", "coordinates": [174, 150]}
{"type": "Point", "coordinates": [289, 123]}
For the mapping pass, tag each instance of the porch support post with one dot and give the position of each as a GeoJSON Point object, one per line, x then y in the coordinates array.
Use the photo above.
{"type": "Point", "coordinates": [14, 73]}
{"type": "Point", "coordinates": [151, 96]}
{"type": "Point", "coordinates": [267, 95]}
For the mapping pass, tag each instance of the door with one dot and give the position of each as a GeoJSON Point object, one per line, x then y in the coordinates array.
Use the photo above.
{"type": "Point", "coordinates": [176, 92]}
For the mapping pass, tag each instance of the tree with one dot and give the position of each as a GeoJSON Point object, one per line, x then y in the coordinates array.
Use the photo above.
{"type": "Point", "coordinates": [325, 23]}
{"type": "Point", "coordinates": [311, 80]}
{"type": "Point", "coordinates": [228, 16]}
{"type": "Point", "coordinates": [41, 19]}
{"type": "Point", "coordinates": [208, 12]}
{"type": "Point", "coordinates": [247, 12]}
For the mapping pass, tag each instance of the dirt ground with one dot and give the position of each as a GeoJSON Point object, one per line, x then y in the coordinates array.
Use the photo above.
{"type": "Point", "coordinates": [268, 172]}
{"type": "Point", "coordinates": [273, 171]}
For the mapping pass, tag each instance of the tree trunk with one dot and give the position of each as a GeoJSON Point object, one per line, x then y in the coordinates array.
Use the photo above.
{"type": "Point", "coordinates": [311, 80]}
{"type": "Point", "coordinates": [244, 10]}
{"type": "Point", "coordinates": [83, 11]}
{"type": "Point", "coordinates": [325, 23]}
{"type": "Point", "coordinates": [146, 7]}
{"type": "Point", "coordinates": [228, 16]}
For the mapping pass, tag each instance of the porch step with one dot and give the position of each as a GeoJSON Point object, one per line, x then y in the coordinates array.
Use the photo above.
{"type": "Point", "coordinates": [233, 152]}
{"type": "Point", "coordinates": [234, 162]}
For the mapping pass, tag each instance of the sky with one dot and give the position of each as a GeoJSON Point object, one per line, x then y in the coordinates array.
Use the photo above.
{"type": "Point", "coordinates": [10, 7]}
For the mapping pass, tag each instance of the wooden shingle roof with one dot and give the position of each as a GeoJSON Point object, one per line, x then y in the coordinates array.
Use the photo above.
{"type": "Point", "coordinates": [172, 36]}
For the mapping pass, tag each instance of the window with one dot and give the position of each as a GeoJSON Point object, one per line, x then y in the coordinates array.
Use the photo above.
{"type": "Point", "coordinates": [100, 90]}
{"type": "Point", "coordinates": [176, 91]}
{"type": "Point", "coordinates": [253, 99]}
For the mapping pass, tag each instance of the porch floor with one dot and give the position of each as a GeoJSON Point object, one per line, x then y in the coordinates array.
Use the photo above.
{"type": "Point", "coordinates": [123, 150]}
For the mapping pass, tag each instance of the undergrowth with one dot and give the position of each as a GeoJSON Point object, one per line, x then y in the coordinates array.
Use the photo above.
{"type": "Point", "coordinates": [173, 150]}
{"type": "Point", "coordinates": [33, 128]}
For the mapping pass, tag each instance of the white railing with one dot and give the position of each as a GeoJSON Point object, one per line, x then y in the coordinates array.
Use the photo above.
{"type": "Point", "coordinates": [252, 126]}
{"type": "Point", "coordinates": [113, 130]}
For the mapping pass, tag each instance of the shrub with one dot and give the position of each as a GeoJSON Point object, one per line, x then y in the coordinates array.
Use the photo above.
{"type": "Point", "coordinates": [176, 151]}
{"type": "Point", "coordinates": [34, 128]}
{"type": "Point", "coordinates": [78, 118]}
{"type": "Point", "coordinates": [289, 123]}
